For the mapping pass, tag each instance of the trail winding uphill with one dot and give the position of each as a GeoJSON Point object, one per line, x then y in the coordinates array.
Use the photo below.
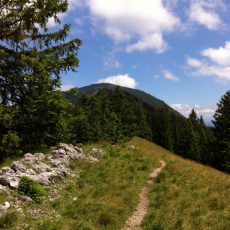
{"type": "Point", "coordinates": [134, 222]}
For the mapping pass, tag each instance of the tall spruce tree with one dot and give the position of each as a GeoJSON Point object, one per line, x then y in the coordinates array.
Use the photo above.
{"type": "Point", "coordinates": [32, 60]}
{"type": "Point", "coordinates": [222, 132]}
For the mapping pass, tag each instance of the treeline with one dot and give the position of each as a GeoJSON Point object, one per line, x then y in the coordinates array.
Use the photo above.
{"type": "Point", "coordinates": [114, 115]}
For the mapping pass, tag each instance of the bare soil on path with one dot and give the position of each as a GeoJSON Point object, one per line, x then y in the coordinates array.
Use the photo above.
{"type": "Point", "coordinates": [134, 222]}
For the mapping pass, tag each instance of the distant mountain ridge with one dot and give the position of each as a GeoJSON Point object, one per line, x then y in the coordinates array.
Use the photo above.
{"type": "Point", "coordinates": [139, 94]}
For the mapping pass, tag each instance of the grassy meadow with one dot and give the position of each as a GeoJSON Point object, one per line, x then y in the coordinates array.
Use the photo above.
{"type": "Point", "coordinates": [102, 195]}
{"type": "Point", "coordinates": [186, 195]}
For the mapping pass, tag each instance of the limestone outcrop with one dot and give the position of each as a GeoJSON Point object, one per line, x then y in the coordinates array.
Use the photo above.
{"type": "Point", "coordinates": [42, 167]}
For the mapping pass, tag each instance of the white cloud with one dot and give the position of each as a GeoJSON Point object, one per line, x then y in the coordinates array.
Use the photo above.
{"type": "Point", "coordinates": [122, 80]}
{"type": "Point", "coordinates": [220, 56]}
{"type": "Point", "coordinates": [67, 86]}
{"type": "Point", "coordinates": [185, 109]}
{"type": "Point", "coordinates": [216, 64]}
{"type": "Point", "coordinates": [192, 62]}
{"type": "Point", "coordinates": [133, 20]}
{"type": "Point", "coordinates": [204, 12]}
{"type": "Point", "coordinates": [150, 42]}
{"type": "Point", "coordinates": [170, 76]}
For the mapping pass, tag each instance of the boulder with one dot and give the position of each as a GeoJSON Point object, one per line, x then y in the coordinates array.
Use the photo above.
{"type": "Point", "coordinates": [61, 152]}
{"type": "Point", "coordinates": [40, 167]}
{"type": "Point", "coordinates": [78, 149]}
{"type": "Point", "coordinates": [25, 199]}
{"type": "Point", "coordinates": [39, 156]}
{"type": "Point", "coordinates": [7, 170]}
{"type": "Point", "coordinates": [18, 166]}
{"type": "Point", "coordinates": [28, 155]}
{"type": "Point", "coordinates": [10, 181]}
{"type": "Point", "coordinates": [5, 207]}
{"type": "Point", "coordinates": [96, 153]}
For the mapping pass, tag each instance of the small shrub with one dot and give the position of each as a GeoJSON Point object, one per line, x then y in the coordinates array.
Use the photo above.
{"type": "Point", "coordinates": [8, 220]}
{"type": "Point", "coordinates": [32, 189]}
{"type": "Point", "coordinates": [49, 224]}
{"type": "Point", "coordinates": [104, 219]}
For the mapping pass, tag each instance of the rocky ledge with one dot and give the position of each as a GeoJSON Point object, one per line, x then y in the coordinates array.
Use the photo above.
{"type": "Point", "coordinates": [42, 167]}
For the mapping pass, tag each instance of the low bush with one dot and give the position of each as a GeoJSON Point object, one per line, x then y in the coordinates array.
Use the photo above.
{"type": "Point", "coordinates": [32, 189]}
{"type": "Point", "coordinates": [8, 220]}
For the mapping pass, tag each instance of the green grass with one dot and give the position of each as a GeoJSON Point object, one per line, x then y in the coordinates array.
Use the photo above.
{"type": "Point", "coordinates": [187, 195]}
{"type": "Point", "coordinates": [101, 195]}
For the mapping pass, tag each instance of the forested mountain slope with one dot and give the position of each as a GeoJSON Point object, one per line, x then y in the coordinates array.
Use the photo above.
{"type": "Point", "coordinates": [106, 112]}
{"type": "Point", "coordinates": [139, 94]}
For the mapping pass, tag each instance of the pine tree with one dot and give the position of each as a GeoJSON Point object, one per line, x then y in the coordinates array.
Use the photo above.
{"type": "Point", "coordinates": [222, 132]}
{"type": "Point", "coordinates": [31, 58]}
{"type": "Point", "coordinates": [31, 62]}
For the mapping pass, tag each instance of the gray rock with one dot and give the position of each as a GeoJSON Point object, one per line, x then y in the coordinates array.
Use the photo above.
{"type": "Point", "coordinates": [92, 159]}
{"type": "Point", "coordinates": [39, 156]}
{"type": "Point", "coordinates": [78, 149]}
{"type": "Point", "coordinates": [28, 155]}
{"type": "Point", "coordinates": [96, 153]}
{"type": "Point", "coordinates": [55, 156]}
{"type": "Point", "coordinates": [56, 162]}
{"type": "Point", "coordinates": [30, 172]}
{"type": "Point", "coordinates": [10, 181]}
{"type": "Point", "coordinates": [40, 167]}
{"type": "Point", "coordinates": [7, 169]}
{"type": "Point", "coordinates": [5, 207]}
{"type": "Point", "coordinates": [14, 184]}
{"type": "Point", "coordinates": [18, 166]}
{"type": "Point", "coordinates": [61, 152]}
{"type": "Point", "coordinates": [25, 199]}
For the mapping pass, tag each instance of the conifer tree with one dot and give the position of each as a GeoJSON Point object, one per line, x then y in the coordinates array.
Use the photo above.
{"type": "Point", "coordinates": [32, 60]}
{"type": "Point", "coordinates": [222, 132]}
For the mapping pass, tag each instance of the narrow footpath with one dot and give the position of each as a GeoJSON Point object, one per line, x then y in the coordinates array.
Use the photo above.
{"type": "Point", "coordinates": [134, 222]}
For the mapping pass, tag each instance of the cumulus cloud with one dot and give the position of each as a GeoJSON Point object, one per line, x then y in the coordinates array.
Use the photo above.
{"type": "Point", "coordinates": [220, 56]}
{"type": "Point", "coordinates": [142, 23]}
{"type": "Point", "coordinates": [186, 109]}
{"type": "Point", "coordinates": [204, 12]}
{"type": "Point", "coordinates": [151, 42]}
{"type": "Point", "coordinates": [170, 76]}
{"type": "Point", "coordinates": [215, 64]}
{"type": "Point", "coordinates": [122, 80]}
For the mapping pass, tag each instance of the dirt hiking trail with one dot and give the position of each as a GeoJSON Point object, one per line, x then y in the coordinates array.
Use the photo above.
{"type": "Point", "coordinates": [134, 222]}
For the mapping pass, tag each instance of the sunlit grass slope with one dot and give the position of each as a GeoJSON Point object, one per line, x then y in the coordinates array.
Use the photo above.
{"type": "Point", "coordinates": [186, 195]}
{"type": "Point", "coordinates": [101, 195]}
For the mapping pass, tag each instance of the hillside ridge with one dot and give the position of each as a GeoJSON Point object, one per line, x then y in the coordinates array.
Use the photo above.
{"type": "Point", "coordinates": [144, 97]}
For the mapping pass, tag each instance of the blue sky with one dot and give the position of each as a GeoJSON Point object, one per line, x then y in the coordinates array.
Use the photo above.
{"type": "Point", "coordinates": [176, 50]}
